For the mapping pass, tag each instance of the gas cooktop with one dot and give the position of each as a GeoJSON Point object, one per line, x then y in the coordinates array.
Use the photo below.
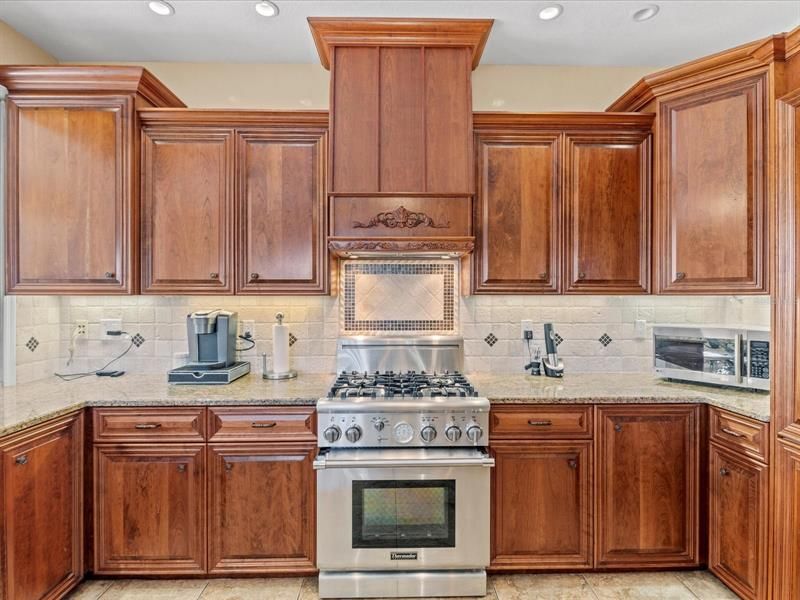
{"type": "Point", "coordinates": [410, 384]}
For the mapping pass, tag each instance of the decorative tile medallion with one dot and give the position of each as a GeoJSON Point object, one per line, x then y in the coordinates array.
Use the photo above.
{"type": "Point", "coordinates": [401, 296]}
{"type": "Point", "coordinates": [558, 339]}
{"type": "Point", "coordinates": [605, 339]}
{"type": "Point", "coordinates": [32, 344]}
{"type": "Point", "coordinates": [137, 340]}
{"type": "Point", "coordinates": [490, 339]}
{"type": "Point", "coordinates": [292, 339]}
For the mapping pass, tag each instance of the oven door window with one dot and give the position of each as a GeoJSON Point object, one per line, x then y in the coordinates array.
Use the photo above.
{"type": "Point", "coordinates": [404, 514]}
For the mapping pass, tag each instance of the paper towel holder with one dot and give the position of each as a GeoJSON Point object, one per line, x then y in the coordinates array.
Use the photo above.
{"type": "Point", "coordinates": [269, 374]}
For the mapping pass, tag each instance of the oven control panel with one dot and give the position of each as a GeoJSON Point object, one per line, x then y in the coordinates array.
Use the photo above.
{"type": "Point", "coordinates": [454, 428]}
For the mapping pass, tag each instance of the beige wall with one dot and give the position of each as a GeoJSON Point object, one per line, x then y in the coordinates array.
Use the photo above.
{"type": "Point", "coordinates": [495, 87]}
{"type": "Point", "coordinates": [16, 49]}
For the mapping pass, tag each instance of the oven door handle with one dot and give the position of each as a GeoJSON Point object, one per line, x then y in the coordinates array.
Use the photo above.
{"type": "Point", "coordinates": [325, 462]}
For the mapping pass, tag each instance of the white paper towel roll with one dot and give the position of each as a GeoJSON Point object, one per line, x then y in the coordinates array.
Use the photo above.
{"type": "Point", "coordinates": [280, 348]}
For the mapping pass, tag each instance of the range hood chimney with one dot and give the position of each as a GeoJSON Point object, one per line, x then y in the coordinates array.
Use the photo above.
{"type": "Point", "coordinates": [401, 163]}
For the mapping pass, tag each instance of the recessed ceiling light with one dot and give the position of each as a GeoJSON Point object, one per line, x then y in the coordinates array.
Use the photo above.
{"type": "Point", "coordinates": [267, 8]}
{"type": "Point", "coordinates": [553, 11]}
{"type": "Point", "coordinates": [648, 12]}
{"type": "Point", "coordinates": [161, 8]}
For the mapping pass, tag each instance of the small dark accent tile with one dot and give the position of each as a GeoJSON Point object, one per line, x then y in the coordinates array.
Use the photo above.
{"type": "Point", "coordinates": [558, 339]}
{"type": "Point", "coordinates": [32, 344]}
{"type": "Point", "coordinates": [605, 339]}
{"type": "Point", "coordinates": [490, 339]}
{"type": "Point", "coordinates": [137, 340]}
{"type": "Point", "coordinates": [292, 339]}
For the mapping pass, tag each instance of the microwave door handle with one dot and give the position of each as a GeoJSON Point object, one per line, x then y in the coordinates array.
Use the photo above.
{"type": "Point", "coordinates": [738, 347]}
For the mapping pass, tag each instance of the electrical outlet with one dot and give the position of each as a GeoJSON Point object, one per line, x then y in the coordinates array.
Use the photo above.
{"type": "Point", "coordinates": [247, 329]}
{"type": "Point", "coordinates": [81, 328]}
{"type": "Point", "coordinates": [526, 329]}
{"type": "Point", "coordinates": [107, 325]}
{"type": "Point", "coordinates": [640, 329]}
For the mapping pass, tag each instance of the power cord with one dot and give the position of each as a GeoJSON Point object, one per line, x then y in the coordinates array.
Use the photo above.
{"type": "Point", "coordinates": [74, 376]}
{"type": "Point", "coordinates": [247, 337]}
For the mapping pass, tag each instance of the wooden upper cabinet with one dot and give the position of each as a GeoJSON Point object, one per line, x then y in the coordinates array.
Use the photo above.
{"type": "Point", "coordinates": [607, 212]}
{"type": "Point", "coordinates": [41, 503]}
{"type": "Point", "coordinates": [281, 210]}
{"type": "Point", "coordinates": [711, 211]}
{"type": "Point", "coordinates": [518, 213]}
{"type": "Point", "coordinates": [72, 199]}
{"type": "Point", "coordinates": [648, 480]}
{"type": "Point", "coordinates": [187, 211]}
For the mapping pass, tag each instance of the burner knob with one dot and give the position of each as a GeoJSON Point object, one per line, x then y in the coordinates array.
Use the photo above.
{"type": "Point", "coordinates": [379, 425]}
{"type": "Point", "coordinates": [453, 433]}
{"type": "Point", "coordinates": [353, 434]}
{"type": "Point", "coordinates": [428, 434]}
{"type": "Point", "coordinates": [332, 434]}
{"type": "Point", "coordinates": [474, 433]}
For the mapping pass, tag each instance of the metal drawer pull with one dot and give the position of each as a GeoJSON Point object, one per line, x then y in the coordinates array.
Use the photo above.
{"type": "Point", "coordinates": [148, 425]}
{"type": "Point", "coordinates": [544, 423]}
{"type": "Point", "coordinates": [732, 432]}
{"type": "Point", "coordinates": [263, 425]}
{"type": "Point", "coordinates": [724, 472]}
{"type": "Point", "coordinates": [573, 463]}
{"type": "Point", "coordinates": [22, 460]}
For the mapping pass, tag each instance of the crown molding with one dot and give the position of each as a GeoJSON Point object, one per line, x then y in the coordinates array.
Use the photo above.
{"type": "Point", "coordinates": [233, 117]}
{"type": "Point", "coordinates": [329, 32]}
{"type": "Point", "coordinates": [483, 121]}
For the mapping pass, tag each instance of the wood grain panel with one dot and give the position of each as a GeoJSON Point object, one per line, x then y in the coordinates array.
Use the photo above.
{"type": "Point", "coordinates": [448, 121]}
{"type": "Point", "coordinates": [402, 120]}
{"type": "Point", "coordinates": [647, 486]}
{"type": "Point", "coordinates": [355, 82]}
{"type": "Point", "coordinates": [607, 213]}
{"type": "Point", "coordinates": [149, 510]}
{"type": "Point", "coordinates": [69, 195]}
{"type": "Point", "coordinates": [737, 524]}
{"type": "Point", "coordinates": [542, 509]}
{"type": "Point", "coordinates": [187, 211]}
{"type": "Point", "coordinates": [711, 212]}
{"type": "Point", "coordinates": [130, 425]}
{"type": "Point", "coordinates": [281, 208]}
{"type": "Point", "coordinates": [787, 518]}
{"type": "Point", "coordinates": [250, 424]}
{"type": "Point", "coordinates": [262, 509]}
{"type": "Point", "coordinates": [41, 524]}
{"type": "Point", "coordinates": [541, 422]}
{"type": "Point", "coordinates": [518, 214]}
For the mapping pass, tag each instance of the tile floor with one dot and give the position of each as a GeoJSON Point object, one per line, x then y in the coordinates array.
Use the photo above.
{"type": "Point", "coordinates": [691, 585]}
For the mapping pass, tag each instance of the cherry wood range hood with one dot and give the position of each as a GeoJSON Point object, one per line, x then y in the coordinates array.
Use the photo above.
{"type": "Point", "coordinates": [401, 161]}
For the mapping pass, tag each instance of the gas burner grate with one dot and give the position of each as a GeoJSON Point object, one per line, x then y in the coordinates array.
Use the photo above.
{"type": "Point", "coordinates": [412, 384]}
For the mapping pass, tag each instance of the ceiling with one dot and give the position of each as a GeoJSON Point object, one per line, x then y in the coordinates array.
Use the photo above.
{"type": "Point", "coordinates": [599, 32]}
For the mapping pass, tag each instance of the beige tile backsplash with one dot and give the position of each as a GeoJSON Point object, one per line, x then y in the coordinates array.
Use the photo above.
{"type": "Point", "coordinates": [315, 321]}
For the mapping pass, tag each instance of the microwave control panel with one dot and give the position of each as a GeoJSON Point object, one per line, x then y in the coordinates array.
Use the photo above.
{"type": "Point", "coordinates": [759, 359]}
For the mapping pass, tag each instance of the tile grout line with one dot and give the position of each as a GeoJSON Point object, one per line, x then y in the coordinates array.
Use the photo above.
{"type": "Point", "coordinates": [591, 589]}
{"type": "Point", "coordinates": [200, 595]}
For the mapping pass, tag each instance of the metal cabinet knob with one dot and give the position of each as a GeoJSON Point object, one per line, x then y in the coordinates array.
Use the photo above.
{"type": "Point", "coordinates": [254, 276]}
{"type": "Point", "coordinates": [110, 274]}
{"type": "Point", "coordinates": [22, 460]}
{"type": "Point", "coordinates": [228, 467]}
{"type": "Point", "coordinates": [181, 468]}
{"type": "Point", "coordinates": [543, 275]}
{"type": "Point", "coordinates": [581, 275]}
{"type": "Point", "coordinates": [617, 427]}
{"type": "Point", "coordinates": [573, 463]}
{"type": "Point", "coordinates": [214, 275]}
{"type": "Point", "coordinates": [680, 275]}
{"type": "Point", "coordinates": [724, 472]}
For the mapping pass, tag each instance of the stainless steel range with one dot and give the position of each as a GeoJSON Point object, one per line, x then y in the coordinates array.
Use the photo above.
{"type": "Point", "coordinates": [403, 483]}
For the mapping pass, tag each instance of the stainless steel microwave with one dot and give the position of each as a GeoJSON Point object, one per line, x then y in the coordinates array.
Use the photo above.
{"type": "Point", "coordinates": [716, 355]}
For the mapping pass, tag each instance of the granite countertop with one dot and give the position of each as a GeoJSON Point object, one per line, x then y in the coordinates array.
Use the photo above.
{"type": "Point", "coordinates": [32, 403]}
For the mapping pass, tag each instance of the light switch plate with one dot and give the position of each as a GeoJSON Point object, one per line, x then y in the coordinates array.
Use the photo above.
{"type": "Point", "coordinates": [640, 329]}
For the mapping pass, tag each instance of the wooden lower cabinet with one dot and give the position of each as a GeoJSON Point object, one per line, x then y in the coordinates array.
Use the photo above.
{"type": "Point", "coordinates": [262, 508]}
{"type": "Point", "coordinates": [787, 519]}
{"type": "Point", "coordinates": [41, 510]}
{"type": "Point", "coordinates": [648, 486]}
{"type": "Point", "coordinates": [737, 524]}
{"type": "Point", "coordinates": [542, 512]}
{"type": "Point", "coordinates": [149, 510]}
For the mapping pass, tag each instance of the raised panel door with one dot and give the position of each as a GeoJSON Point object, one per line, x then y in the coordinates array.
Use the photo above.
{"type": "Point", "coordinates": [149, 510]}
{"type": "Point", "coordinates": [711, 207]}
{"type": "Point", "coordinates": [262, 508]}
{"type": "Point", "coordinates": [518, 214]}
{"type": "Point", "coordinates": [187, 211]}
{"type": "Point", "coordinates": [647, 486]}
{"type": "Point", "coordinates": [281, 208]}
{"type": "Point", "coordinates": [542, 511]}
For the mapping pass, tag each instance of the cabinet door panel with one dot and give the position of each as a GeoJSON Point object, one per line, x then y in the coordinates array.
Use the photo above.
{"type": "Point", "coordinates": [187, 211]}
{"type": "Point", "coordinates": [518, 220]}
{"type": "Point", "coordinates": [542, 505]}
{"type": "Point", "coordinates": [261, 503]}
{"type": "Point", "coordinates": [42, 511]}
{"type": "Point", "coordinates": [281, 212]}
{"type": "Point", "coordinates": [607, 202]}
{"type": "Point", "coordinates": [711, 210]}
{"type": "Point", "coordinates": [149, 510]}
{"type": "Point", "coordinates": [737, 524]}
{"type": "Point", "coordinates": [787, 518]}
{"type": "Point", "coordinates": [69, 198]}
{"type": "Point", "coordinates": [648, 486]}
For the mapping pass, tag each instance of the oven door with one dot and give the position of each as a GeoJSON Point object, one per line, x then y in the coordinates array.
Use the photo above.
{"type": "Point", "coordinates": [404, 509]}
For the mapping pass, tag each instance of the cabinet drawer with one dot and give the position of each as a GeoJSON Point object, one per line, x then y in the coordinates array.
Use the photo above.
{"type": "Point", "coordinates": [537, 422]}
{"type": "Point", "coordinates": [149, 424]}
{"type": "Point", "coordinates": [237, 424]}
{"type": "Point", "coordinates": [740, 433]}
